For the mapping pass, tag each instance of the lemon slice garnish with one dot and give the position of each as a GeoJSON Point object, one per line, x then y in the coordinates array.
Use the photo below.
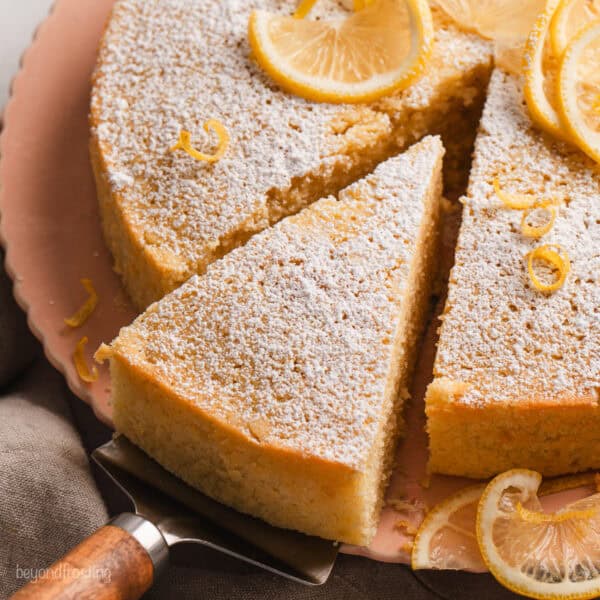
{"type": "Point", "coordinates": [378, 50]}
{"type": "Point", "coordinates": [540, 75]}
{"type": "Point", "coordinates": [81, 364]}
{"type": "Point", "coordinates": [494, 19]}
{"type": "Point", "coordinates": [537, 554]}
{"type": "Point", "coordinates": [507, 22]}
{"type": "Point", "coordinates": [579, 90]}
{"type": "Point", "coordinates": [555, 258]}
{"type": "Point", "coordinates": [304, 8]}
{"type": "Point", "coordinates": [446, 538]}
{"type": "Point", "coordinates": [87, 308]}
{"type": "Point", "coordinates": [184, 142]}
{"type": "Point", "coordinates": [570, 18]}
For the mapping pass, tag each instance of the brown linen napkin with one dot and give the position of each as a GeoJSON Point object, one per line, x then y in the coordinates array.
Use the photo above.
{"type": "Point", "coordinates": [49, 498]}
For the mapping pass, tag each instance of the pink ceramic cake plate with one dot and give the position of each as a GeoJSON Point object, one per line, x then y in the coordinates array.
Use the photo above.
{"type": "Point", "coordinates": [50, 229]}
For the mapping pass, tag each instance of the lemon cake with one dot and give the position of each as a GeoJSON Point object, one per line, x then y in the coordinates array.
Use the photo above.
{"type": "Point", "coordinates": [517, 373]}
{"type": "Point", "coordinates": [274, 382]}
{"type": "Point", "coordinates": [168, 65]}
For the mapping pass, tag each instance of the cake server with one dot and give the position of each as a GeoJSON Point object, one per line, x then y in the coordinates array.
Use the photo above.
{"type": "Point", "coordinates": [123, 558]}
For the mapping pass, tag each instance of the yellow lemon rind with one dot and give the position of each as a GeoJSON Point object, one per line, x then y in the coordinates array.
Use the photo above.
{"type": "Point", "coordinates": [542, 112]}
{"type": "Point", "coordinates": [555, 256]}
{"type": "Point", "coordinates": [558, 24]}
{"type": "Point", "coordinates": [87, 308]}
{"type": "Point", "coordinates": [184, 142]}
{"type": "Point", "coordinates": [536, 232]}
{"type": "Point", "coordinates": [584, 137]}
{"type": "Point", "coordinates": [85, 374]}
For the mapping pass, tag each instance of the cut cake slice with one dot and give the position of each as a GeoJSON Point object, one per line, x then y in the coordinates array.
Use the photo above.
{"type": "Point", "coordinates": [168, 65]}
{"type": "Point", "coordinates": [275, 381]}
{"type": "Point", "coordinates": [517, 373]}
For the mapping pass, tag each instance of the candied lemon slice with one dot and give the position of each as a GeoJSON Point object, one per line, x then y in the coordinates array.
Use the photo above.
{"type": "Point", "coordinates": [579, 90]}
{"type": "Point", "coordinates": [538, 554]}
{"type": "Point", "coordinates": [446, 538]}
{"type": "Point", "coordinates": [380, 49]}
{"type": "Point", "coordinates": [540, 69]}
{"type": "Point", "coordinates": [570, 18]}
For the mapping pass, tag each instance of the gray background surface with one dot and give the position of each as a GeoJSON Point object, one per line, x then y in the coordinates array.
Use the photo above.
{"type": "Point", "coordinates": [17, 24]}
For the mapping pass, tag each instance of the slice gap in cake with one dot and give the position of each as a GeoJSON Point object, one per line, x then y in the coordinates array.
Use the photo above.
{"type": "Point", "coordinates": [517, 373]}
{"type": "Point", "coordinates": [275, 381]}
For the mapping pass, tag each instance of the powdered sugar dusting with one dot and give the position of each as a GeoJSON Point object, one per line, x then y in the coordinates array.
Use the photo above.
{"type": "Point", "coordinates": [172, 64]}
{"type": "Point", "coordinates": [500, 335]}
{"type": "Point", "coordinates": [289, 338]}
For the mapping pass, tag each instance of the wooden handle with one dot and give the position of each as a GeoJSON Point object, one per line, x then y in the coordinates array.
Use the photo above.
{"type": "Point", "coordinates": [109, 565]}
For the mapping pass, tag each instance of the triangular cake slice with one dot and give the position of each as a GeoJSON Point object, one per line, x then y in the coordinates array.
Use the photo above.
{"type": "Point", "coordinates": [517, 373]}
{"type": "Point", "coordinates": [274, 382]}
{"type": "Point", "coordinates": [168, 65]}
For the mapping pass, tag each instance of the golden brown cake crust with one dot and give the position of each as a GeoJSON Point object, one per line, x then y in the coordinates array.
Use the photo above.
{"type": "Point", "coordinates": [149, 273]}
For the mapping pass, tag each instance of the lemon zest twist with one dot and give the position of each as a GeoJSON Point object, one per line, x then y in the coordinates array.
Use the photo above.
{"type": "Point", "coordinates": [103, 353]}
{"type": "Point", "coordinates": [80, 363]}
{"type": "Point", "coordinates": [87, 308]}
{"type": "Point", "coordinates": [523, 201]}
{"type": "Point", "coordinates": [532, 516]}
{"type": "Point", "coordinates": [556, 257]}
{"type": "Point", "coordinates": [537, 231]}
{"type": "Point", "coordinates": [184, 142]}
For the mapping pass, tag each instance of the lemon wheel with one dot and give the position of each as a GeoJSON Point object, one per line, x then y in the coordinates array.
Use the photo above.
{"type": "Point", "coordinates": [506, 20]}
{"type": "Point", "coordinates": [570, 18]}
{"type": "Point", "coordinates": [534, 553]}
{"type": "Point", "coordinates": [540, 75]}
{"type": "Point", "coordinates": [579, 90]}
{"type": "Point", "coordinates": [446, 538]}
{"type": "Point", "coordinates": [380, 49]}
